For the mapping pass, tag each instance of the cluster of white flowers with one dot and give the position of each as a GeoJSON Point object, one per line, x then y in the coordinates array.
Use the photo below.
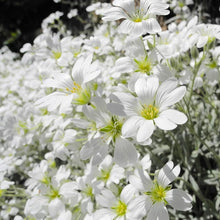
{"type": "Point", "coordinates": [77, 112]}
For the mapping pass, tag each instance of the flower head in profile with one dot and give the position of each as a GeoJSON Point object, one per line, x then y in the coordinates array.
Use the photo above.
{"type": "Point", "coordinates": [138, 19]}
{"type": "Point", "coordinates": [206, 34]}
{"type": "Point", "coordinates": [155, 195]}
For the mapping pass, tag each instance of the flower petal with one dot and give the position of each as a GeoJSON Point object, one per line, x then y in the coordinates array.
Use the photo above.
{"type": "Point", "coordinates": [106, 198]}
{"type": "Point", "coordinates": [104, 214]}
{"type": "Point", "coordinates": [113, 14]}
{"type": "Point", "coordinates": [128, 101]}
{"type": "Point", "coordinates": [151, 26]}
{"type": "Point", "coordinates": [145, 130]}
{"type": "Point", "coordinates": [165, 88]}
{"type": "Point", "coordinates": [174, 116]}
{"type": "Point", "coordinates": [125, 152]}
{"type": "Point", "coordinates": [94, 147]}
{"type": "Point", "coordinates": [175, 96]}
{"type": "Point", "coordinates": [137, 207]}
{"type": "Point", "coordinates": [164, 124]}
{"type": "Point", "coordinates": [202, 41]}
{"type": "Point", "coordinates": [179, 199]}
{"type": "Point", "coordinates": [127, 193]}
{"type": "Point", "coordinates": [131, 126]}
{"type": "Point", "coordinates": [158, 212]}
{"type": "Point", "coordinates": [137, 183]}
{"type": "Point", "coordinates": [128, 5]}
{"type": "Point", "coordinates": [146, 89]}
{"type": "Point", "coordinates": [168, 174]}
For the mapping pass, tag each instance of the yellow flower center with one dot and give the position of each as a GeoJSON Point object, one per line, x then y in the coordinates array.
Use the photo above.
{"type": "Point", "coordinates": [75, 89]}
{"type": "Point", "coordinates": [138, 15]}
{"type": "Point", "coordinates": [106, 34]}
{"type": "Point", "coordinates": [144, 66]}
{"type": "Point", "coordinates": [149, 112]}
{"type": "Point", "coordinates": [88, 191]}
{"type": "Point", "coordinates": [1, 192]}
{"type": "Point", "coordinates": [56, 54]}
{"type": "Point", "coordinates": [158, 193]}
{"type": "Point", "coordinates": [54, 194]}
{"type": "Point", "coordinates": [45, 180]}
{"type": "Point", "coordinates": [137, 20]}
{"type": "Point", "coordinates": [213, 65]}
{"type": "Point", "coordinates": [211, 39]}
{"type": "Point", "coordinates": [75, 54]}
{"type": "Point", "coordinates": [105, 174]}
{"type": "Point", "coordinates": [181, 4]}
{"type": "Point", "coordinates": [120, 209]}
{"type": "Point", "coordinates": [113, 128]}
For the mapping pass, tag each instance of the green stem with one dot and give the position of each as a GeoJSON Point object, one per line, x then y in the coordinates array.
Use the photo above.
{"type": "Point", "coordinates": [195, 72]}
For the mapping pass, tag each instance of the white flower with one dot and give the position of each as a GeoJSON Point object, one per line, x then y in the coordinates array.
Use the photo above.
{"type": "Point", "coordinates": [109, 172]}
{"type": "Point", "coordinates": [206, 33]}
{"type": "Point", "coordinates": [75, 89]}
{"type": "Point", "coordinates": [137, 60]}
{"type": "Point", "coordinates": [155, 195]}
{"type": "Point", "coordinates": [72, 13]}
{"type": "Point", "coordinates": [150, 107]}
{"type": "Point", "coordinates": [62, 141]}
{"type": "Point", "coordinates": [139, 19]}
{"type": "Point", "coordinates": [67, 215]}
{"type": "Point", "coordinates": [115, 208]}
{"type": "Point", "coordinates": [109, 127]}
{"type": "Point", "coordinates": [4, 184]}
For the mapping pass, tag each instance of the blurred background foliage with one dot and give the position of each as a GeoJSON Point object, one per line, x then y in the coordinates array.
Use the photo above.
{"type": "Point", "coordinates": [20, 20]}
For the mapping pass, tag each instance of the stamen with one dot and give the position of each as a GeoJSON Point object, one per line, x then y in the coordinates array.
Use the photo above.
{"type": "Point", "coordinates": [158, 193]}
{"type": "Point", "coordinates": [120, 209]}
{"type": "Point", "coordinates": [56, 54]}
{"type": "Point", "coordinates": [149, 112]}
{"type": "Point", "coordinates": [75, 89]}
{"type": "Point", "coordinates": [144, 65]}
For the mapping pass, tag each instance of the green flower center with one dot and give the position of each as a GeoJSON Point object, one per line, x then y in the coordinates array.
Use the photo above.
{"type": "Point", "coordinates": [120, 209]}
{"type": "Point", "coordinates": [105, 174]}
{"type": "Point", "coordinates": [113, 129]}
{"type": "Point", "coordinates": [211, 39]}
{"type": "Point", "coordinates": [144, 66]}
{"type": "Point", "coordinates": [158, 193]}
{"type": "Point", "coordinates": [45, 180]}
{"type": "Point", "coordinates": [149, 112]}
{"type": "Point", "coordinates": [181, 4]}
{"type": "Point", "coordinates": [1, 192]}
{"type": "Point", "coordinates": [212, 65]}
{"type": "Point", "coordinates": [88, 191]}
{"type": "Point", "coordinates": [56, 54]}
{"type": "Point", "coordinates": [54, 194]}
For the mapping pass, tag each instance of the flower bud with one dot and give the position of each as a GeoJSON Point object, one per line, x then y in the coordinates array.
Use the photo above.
{"type": "Point", "coordinates": [194, 52]}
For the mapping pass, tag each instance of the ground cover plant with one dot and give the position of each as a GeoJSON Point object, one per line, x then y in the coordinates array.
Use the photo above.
{"type": "Point", "coordinates": [118, 123]}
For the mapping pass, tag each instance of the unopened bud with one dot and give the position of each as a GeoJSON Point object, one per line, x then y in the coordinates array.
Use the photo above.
{"type": "Point", "coordinates": [194, 52]}
{"type": "Point", "coordinates": [150, 45]}
{"type": "Point", "coordinates": [211, 43]}
{"type": "Point", "coordinates": [174, 63]}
